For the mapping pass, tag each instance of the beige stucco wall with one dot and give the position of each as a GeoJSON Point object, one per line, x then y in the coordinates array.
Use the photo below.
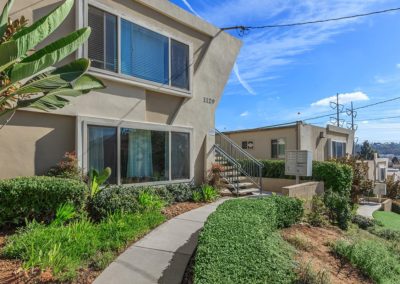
{"type": "Point", "coordinates": [214, 54]}
{"type": "Point", "coordinates": [31, 143]}
{"type": "Point", "coordinates": [262, 140]}
{"type": "Point", "coordinates": [297, 137]}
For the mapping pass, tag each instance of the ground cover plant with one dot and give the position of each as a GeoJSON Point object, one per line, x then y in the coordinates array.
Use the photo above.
{"type": "Point", "coordinates": [240, 243]}
{"type": "Point", "coordinates": [389, 220]}
{"type": "Point", "coordinates": [373, 256]}
{"type": "Point", "coordinates": [65, 248]}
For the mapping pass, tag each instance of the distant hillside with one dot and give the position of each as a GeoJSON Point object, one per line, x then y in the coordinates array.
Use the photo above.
{"type": "Point", "coordinates": [384, 148]}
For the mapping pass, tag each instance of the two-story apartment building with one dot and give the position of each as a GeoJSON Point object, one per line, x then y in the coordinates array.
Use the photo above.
{"type": "Point", "coordinates": [272, 142]}
{"type": "Point", "coordinates": [164, 70]}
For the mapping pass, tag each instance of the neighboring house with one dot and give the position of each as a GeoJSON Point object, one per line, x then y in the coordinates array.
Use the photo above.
{"type": "Point", "coordinates": [272, 142]}
{"type": "Point", "coordinates": [378, 169]}
{"type": "Point", "coordinates": [165, 70]}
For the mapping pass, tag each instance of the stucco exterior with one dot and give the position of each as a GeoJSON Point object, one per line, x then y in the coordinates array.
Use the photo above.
{"type": "Point", "coordinates": [127, 100]}
{"type": "Point", "coordinates": [297, 136]}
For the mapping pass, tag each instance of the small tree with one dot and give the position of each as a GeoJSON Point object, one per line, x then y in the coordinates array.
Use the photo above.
{"type": "Point", "coordinates": [395, 160]}
{"type": "Point", "coordinates": [366, 151]}
{"type": "Point", "coordinates": [27, 79]}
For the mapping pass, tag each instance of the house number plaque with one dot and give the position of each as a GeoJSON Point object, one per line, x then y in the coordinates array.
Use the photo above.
{"type": "Point", "coordinates": [208, 100]}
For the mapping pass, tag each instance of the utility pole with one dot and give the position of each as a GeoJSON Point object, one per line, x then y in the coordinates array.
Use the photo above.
{"type": "Point", "coordinates": [339, 108]}
{"type": "Point", "coordinates": [353, 114]}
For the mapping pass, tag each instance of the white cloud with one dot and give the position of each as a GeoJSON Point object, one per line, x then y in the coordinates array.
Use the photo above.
{"type": "Point", "coordinates": [242, 82]}
{"type": "Point", "coordinates": [243, 114]}
{"type": "Point", "coordinates": [187, 4]}
{"type": "Point", "coordinates": [343, 99]}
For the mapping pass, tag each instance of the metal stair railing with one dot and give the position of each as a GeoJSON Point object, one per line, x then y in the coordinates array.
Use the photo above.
{"type": "Point", "coordinates": [249, 166]}
{"type": "Point", "coordinates": [224, 158]}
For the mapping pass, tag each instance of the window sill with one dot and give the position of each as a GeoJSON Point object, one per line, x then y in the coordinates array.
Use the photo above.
{"type": "Point", "coordinates": [120, 78]}
{"type": "Point", "coordinates": [155, 183]}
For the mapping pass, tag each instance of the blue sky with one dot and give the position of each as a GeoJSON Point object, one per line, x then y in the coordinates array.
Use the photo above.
{"type": "Point", "coordinates": [283, 72]}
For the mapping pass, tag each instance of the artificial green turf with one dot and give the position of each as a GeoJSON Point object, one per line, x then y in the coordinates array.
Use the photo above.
{"type": "Point", "coordinates": [389, 220]}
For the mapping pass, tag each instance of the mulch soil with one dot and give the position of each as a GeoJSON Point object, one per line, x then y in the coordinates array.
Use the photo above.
{"type": "Point", "coordinates": [320, 256]}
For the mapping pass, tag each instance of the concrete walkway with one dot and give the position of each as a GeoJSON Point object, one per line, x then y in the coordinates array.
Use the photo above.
{"type": "Point", "coordinates": [367, 208]}
{"type": "Point", "coordinates": [163, 254]}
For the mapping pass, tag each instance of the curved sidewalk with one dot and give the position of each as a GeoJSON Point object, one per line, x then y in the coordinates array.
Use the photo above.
{"type": "Point", "coordinates": [163, 254]}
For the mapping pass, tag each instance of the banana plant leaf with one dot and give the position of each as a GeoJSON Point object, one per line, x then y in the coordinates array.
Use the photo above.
{"type": "Point", "coordinates": [48, 55]}
{"type": "Point", "coordinates": [54, 100]}
{"type": "Point", "coordinates": [4, 16]}
{"type": "Point", "coordinates": [26, 39]}
{"type": "Point", "coordinates": [58, 78]}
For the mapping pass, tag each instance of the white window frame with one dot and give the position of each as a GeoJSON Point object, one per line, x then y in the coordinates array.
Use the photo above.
{"type": "Point", "coordinates": [131, 80]}
{"type": "Point", "coordinates": [83, 122]}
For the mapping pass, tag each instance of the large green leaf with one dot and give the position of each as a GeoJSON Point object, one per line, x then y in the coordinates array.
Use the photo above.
{"type": "Point", "coordinates": [29, 37]}
{"type": "Point", "coordinates": [48, 55]}
{"type": "Point", "coordinates": [54, 100]}
{"type": "Point", "coordinates": [88, 82]}
{"type": "Point", "coordinates": [59, 78]}
{"type": "Point", "coordinates": [4, 16]}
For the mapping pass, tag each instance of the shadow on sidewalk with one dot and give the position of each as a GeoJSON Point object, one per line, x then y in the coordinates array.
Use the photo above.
{"type": "Point", "coordinates": [173, 274]}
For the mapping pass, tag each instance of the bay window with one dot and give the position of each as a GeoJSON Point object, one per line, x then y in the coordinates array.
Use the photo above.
{"type": "Point", "coordinates": [144, 54]}
{"type": "Point", "coordinates": [139, 155]}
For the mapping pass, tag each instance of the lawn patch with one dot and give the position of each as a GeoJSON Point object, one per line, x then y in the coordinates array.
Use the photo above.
{"type": "Point", "coordinates": [389, 220]}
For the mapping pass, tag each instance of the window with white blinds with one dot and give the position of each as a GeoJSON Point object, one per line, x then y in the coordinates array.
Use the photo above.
{"type": "Point", "coordinates": [102, 43]}
{"type": "Point", "coordinates": [144, 54]}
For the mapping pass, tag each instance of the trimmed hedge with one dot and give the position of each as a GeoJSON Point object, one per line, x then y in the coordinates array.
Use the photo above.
{"type": "Point", "coordinates": [239, 244]}
{"type": "Point", "coordinates": [38, 198]}
{"type": "Point", "coordinates": [334, 175]}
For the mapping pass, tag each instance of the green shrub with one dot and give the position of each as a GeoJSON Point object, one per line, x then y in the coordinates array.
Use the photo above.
{"type": "Point", "coordinates": [396, 206]}
{"type": "Point", "coordinates": [114, 199]}
{"type": "Point", "coordinates": [318, 214]}
{"type": "Point", "coordinates": [239, 245]}
{"type": "Point", "coordinates": [339, 208]}
{"type": "Point", "coordinates": [81, 243]}
{"type": "Point", "coordinates": [149, 201]}
{"type": "Point", "coordinates": [363, 222]}
{"type": "Point", "coordinates": [64, 213]}
{"type": "Point", "coordinates": [181, 192]}
{"type": "Point", "coordinates": [205, 193]}
{"type": "Point", "coordinates": [274, 169]}
{"type": "Point", "coordinates": [372, 257]}
{"type": "Point", "coordinates": [38, 198]}
{"type": "Point", "coordinates": [288, 210]}
{"type": "Point", "coordinates": [338, 177]}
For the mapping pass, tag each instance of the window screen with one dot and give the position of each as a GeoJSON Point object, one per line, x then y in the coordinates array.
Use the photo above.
{"type": "Point", "coordinates": [179, 65]}
{"type": "Point", "coordinates": [102, 43]}
{"type": "Point", "coordinates": [144, 53]}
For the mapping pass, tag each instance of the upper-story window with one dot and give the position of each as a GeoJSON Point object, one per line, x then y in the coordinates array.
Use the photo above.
{"type": "Point", "coordinates": [102, 44]}
{"type": "Point", "coordinates": [144, 54]}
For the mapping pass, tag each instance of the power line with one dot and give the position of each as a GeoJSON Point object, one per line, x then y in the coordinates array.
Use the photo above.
{"type": "Point", "coordinates": [247, 28]}
{"type": "Point", "coordinates": [361, 107]}
{"type": "Point", "coordinates": [379, 118]}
